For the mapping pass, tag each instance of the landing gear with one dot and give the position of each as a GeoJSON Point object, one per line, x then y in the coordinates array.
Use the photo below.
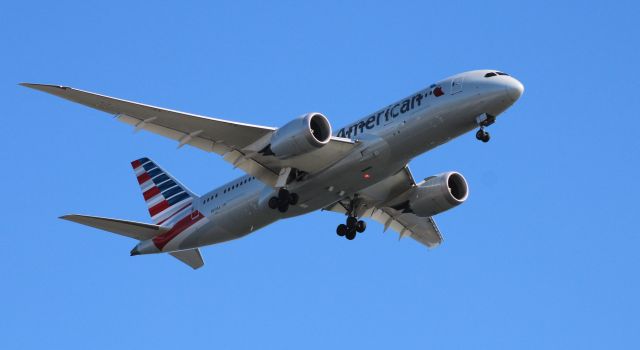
{"type": "Point", "coordinates": [483, 121]}
{"type": "Point", "coordinates": [352, 227]}
{"type": "Point", "coordinates": [483, 135]}
{"type": "Point", "coordinates": [283, 200]}
{"type": "Point", "coordinates": [351, 234]}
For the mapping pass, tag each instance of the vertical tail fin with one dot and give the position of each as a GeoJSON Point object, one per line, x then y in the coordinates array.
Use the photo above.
{"type": "Point", "coordinates": [167, 199]}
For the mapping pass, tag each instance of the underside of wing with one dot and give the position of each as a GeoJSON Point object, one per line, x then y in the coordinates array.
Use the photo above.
{"type": "Point", "coordinates": [238, 143]}
{"type": "Point", "coordinates": [374, 202]}
{"type": "Point", "coordinates": [423, 230]}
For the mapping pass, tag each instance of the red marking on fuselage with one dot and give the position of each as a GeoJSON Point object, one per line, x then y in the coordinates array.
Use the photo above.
{"type": "Point", "coordinates": [180, 226]}
{"type": "Point", "coordinates": [174, 214]}
{"type": "Point", "coordinates": [438, 91]}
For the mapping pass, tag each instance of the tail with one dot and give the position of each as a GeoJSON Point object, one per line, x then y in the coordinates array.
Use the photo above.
{"type": "Point", "coordinates": [167, 199]}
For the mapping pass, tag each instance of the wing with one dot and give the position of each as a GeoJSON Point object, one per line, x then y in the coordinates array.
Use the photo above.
{"type": "Point", "coordinates": [379, 203]}
{"type": "Point", "coordinates": [423, 230]}
{"type": "Point", "coordinates": [238, 143]}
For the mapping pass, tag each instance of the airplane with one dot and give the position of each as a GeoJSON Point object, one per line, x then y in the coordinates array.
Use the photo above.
{"type": "Point", "coordinates": [360, 171]}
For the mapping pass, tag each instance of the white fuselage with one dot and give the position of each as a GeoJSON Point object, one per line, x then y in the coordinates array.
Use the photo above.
{"type": "Point", "coordinates": [385, 142]}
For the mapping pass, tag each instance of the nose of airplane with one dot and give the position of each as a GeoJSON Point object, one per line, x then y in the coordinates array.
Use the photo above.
{"type": "Point", "coordinates": [514, 89]}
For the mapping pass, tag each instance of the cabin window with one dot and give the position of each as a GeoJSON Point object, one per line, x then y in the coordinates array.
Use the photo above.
{"type": "Point", "coordinates": [501, 73]}
{"type": "Point", "coordinates": [489, 75]}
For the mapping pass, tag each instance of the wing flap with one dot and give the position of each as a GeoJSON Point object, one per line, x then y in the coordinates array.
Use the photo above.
{"type": "Point", "coordinates": [423, 230]}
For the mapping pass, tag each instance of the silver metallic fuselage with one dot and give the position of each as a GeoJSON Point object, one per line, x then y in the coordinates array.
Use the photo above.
{"type": "Point", "coordinates": [386, 141]}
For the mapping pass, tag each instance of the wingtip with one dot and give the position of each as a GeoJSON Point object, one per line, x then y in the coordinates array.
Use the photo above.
{"type": "Point", "coordinates": [43, 87]}
{"type": "Point", "coordinates": [32, 85]}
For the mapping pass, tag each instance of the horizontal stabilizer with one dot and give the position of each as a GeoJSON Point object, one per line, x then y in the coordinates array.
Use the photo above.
{"type": "Point", "coordinates": [132, 229]}
{"type": "Point", "coordinates": [191, 257]}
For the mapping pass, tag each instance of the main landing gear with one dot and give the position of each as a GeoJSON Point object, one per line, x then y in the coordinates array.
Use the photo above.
{"type": "Point", "coordinates": [283, 200]}
{"type": "Point", "coordinates": [483, 121]}
{"type": "Point", "coordinates": [352, 226]}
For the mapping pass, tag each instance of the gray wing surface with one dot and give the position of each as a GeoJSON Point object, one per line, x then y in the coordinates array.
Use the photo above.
{"type": "Point", "coordinates": [377, 202]}
{"type": "Point", "coordinates": [237, 143]}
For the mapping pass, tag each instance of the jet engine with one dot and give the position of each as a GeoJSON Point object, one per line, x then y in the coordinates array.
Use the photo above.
{"type": "Point", "coordinates": [301, 135]}
{"type": "Point", "coordinates": [439, 193]}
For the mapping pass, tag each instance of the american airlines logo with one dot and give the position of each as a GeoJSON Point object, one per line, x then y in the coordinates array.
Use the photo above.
{"type": "Point", "coordinates": [389, 113]}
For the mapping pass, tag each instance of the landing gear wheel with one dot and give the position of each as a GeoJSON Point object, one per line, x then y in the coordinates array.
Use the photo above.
{"type": "Point", "coordinates": [293, 199]}
{"type": "Point", "coordinates": [273, 202]}
{"type": "Point", "coordinates": [483, 135]}
{"type": "Point", "coordinates": [283, 200]}
{"type": "Point", "coordinates": [361, 226]}
{"type": "Point", "coordinates": [283, 194]}
{"type": "Point", "coordinates": [283, 207]}
{"type": "Point", "coordinates": [351, 221]}
{"type": "Point", "coordinates": [351, 234]}
{"type": "Point", "coordinates": [341, 230]}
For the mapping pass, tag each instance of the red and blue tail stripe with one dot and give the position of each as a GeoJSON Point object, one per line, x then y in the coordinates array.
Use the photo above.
{"type": "Point", "coordinates": [168, 200]}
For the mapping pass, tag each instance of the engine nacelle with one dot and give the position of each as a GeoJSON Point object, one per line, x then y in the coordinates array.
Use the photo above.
{"type": "Point", "coordinates": [301, 135]}
{"type": "Point", "coordinates": [439, 193]}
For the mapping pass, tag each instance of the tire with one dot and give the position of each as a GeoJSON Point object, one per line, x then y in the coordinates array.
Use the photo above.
{"type": "Point", "coordinates": [361, 226]}
{"type": "Point", "coordinates": [283, 194]}
{"type": "Point", "coordinates": [351, 221]}
{"type": "Point", "coordinates": [293, 199]}
{"type": "Point", "coordinates": [351, 234]}
{"type": "Point", "coordinates": [273, 202]}
{"type": "Point", "coordinates": [486, 137]}
{"type": "Point", "coordinates": [341, 230]}
{"type": "Point", "coordinates": [480, 135]}
{"type": "Point", "coordinates": [283, 207]}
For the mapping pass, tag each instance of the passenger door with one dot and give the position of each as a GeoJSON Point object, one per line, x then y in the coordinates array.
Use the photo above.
{"type": "Point", "coordinates": [456, 85]}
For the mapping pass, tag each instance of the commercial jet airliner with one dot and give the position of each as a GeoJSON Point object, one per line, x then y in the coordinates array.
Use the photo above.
{"type": "Point", "coordinates": [360, 171]}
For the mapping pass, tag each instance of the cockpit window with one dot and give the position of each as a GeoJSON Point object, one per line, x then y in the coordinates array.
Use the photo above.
{"type": "Point", "coordinates": [493, 74]}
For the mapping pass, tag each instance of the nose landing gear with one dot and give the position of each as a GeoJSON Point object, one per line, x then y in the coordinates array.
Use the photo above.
{"type": "Point", "coordinates": [483, 121]}
{"type": "Point", "coordinates": [483, 135]}
{"type": "Point", "coordinates": [283, 200]}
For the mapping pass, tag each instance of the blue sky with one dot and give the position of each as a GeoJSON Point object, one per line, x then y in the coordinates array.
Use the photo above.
{"type": "Point", "coordinates": [543, 255]}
